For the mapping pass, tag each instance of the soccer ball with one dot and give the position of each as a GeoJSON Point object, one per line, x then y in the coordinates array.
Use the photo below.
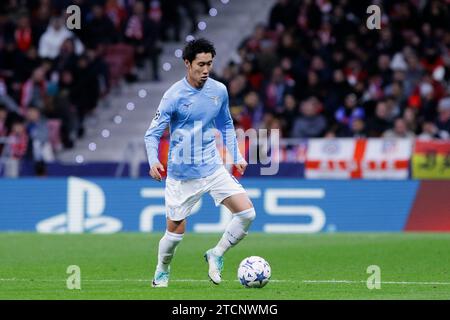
{"type": "Point", "coordinates": [254, 272]}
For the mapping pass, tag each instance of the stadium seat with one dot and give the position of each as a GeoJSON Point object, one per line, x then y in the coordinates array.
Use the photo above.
{"type": "Point", "coordinates": [120, 59]}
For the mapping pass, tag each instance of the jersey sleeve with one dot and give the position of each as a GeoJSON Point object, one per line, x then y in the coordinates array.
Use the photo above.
{"type": "Point", "coordinates": [224, 124]}
{"type": "Point", "coordinates": [156, 129]}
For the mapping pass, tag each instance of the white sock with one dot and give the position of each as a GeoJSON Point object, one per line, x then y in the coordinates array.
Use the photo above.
{"type": "Point", "coordinates": [235, 231]}
{"type": "Point", "coordinates": [167, 246]}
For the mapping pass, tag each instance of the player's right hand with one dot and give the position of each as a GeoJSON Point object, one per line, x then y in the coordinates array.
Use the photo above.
{"type": "Point", "coordinates": [154, 171]}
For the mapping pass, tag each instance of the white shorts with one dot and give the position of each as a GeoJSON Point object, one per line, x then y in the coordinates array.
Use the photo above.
{"type": "Point", "coordinates": [182, 195]}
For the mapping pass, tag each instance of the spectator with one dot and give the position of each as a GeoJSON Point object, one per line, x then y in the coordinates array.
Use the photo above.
{"type": "Point", "coordinates": [99, 29]}
{"type": "Point", "coordinates": [116, 12]}
{"type": "Point", "coordinates": [287, 47]}
{"type": "Point", "coordinates": [267, 57]}
{"type": "Point", "coordinates": [339, 89]}
{"type": "Point", "coordinates": [38, 134]}
{"type": "Point", "coordinates": [67, 58]}
{"type": "Point", "coordinates": [275, 90]}
{"type": "Point", "coordinates": [26, 63]}
{"type": "Point", "coordinates": [311, 124]}
{"type": "Point", "coordinates": [236, 90]}
{"type": "Point", "coordinates": [143, 34]}
{"type": "Point", "coordinates": [85, 91]}
{"type": "Point", "coordinates": [347, 113]}
{"type": "Point", "coordinates": [19, 138]}
{"type": "Point", "coordinates": [397, 100]}
{"type": "Point", "coordinates": [99, 66]}
{"type": "Point", "coordinates": [410, 117]}
{"type": "Point", "coordinates": [384, 70]}
{"type": "Point", "coordinates": [63, 108]}
{"type": "Point", "coordinates": [34, 91]}
{"type": "Point", "coordinates": [253, 76]}
{"type": "Point", "coordinates": [23, 34]}
{"type": "Point", "coordinates": [6, 100]}
{"type": "Point", "coordinates": [52, 39]}
{"type": "Point", "coordinates": [358, 129]}
{"type": "Point", "coordinates": [249, 114]}
{"type": "Point", "coordinates": [379, 123]}
{"type": "Point", "coordinates": [171, 20]}
{"type": "Point", "coordinates": [443, 119]}
{"type": "Point", "coordinates": [153, 44]}
{"type": "Point", "coordinates": [429, 131]}
{"type": "Point", "coordinates": [3, 117]}
{"type": "Point", "coordinates": [40, 19]}
{"type": "Point", "coordinates": [413, 73]}
{"type": "Point", "coordinates": [6, 27]}
{"type": "Point", "coordinates": [282, 15]}
{"type": "Point", "coordinates": [288, 114]}
{"type": "Point", "coordinates": [400, 130]}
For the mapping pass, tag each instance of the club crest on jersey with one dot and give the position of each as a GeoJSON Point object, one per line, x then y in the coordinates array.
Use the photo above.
{"type": "Point", "coordinates": [216, 100]}
{"type": "Point", "coordinates": [157, 115]}
{"type": "Point", "coordinates": [154, 122]}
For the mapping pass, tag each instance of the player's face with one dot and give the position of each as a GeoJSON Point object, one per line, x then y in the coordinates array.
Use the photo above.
{"type": "Point", "coordinates": [199, 69]}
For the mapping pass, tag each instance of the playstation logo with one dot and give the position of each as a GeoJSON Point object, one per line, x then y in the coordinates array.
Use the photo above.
{"type": "Point", "coordinates": [85, 206]}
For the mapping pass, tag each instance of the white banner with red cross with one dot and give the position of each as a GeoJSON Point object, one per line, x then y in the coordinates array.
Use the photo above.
{"type": "Point", "coordinates": [347, 158]}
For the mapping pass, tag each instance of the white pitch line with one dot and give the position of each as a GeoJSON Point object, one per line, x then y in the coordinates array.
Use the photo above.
{"type": "Point", "coordinates": [204, 280]}
{"type": "Point", "coordinates": [381, 282]}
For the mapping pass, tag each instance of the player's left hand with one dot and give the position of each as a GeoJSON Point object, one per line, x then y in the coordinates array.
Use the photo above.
{"type": "Point", "coordinates": [241, 166]}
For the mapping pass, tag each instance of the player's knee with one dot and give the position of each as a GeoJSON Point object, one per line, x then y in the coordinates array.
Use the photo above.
{"type": "Point", "coordinates": [173, 237]}
{"type": "Point", "coordinates": [247, 215]}
{"type": "Point", "coordinates": [252, 214]}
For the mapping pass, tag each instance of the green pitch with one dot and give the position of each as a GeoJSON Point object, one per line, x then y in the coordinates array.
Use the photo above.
{"type": "Point", "coordinates": [319, 266]}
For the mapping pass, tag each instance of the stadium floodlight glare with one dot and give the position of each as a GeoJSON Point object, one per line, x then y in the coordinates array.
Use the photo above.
{"type": "Point", "coordinates": [142, 93]}
{"type": "Point", "coordinates": [79, 158]}
{"type": "Point", "coordinates": [130, 106]}
{"type": "Point", "coordinates": [167, 66]}
{"type": "Point", "coordinates": [189, 37]}
{"type": "Point", "coordinates": [117, 119]}
{"type": "Point", "coordinates": [106, 133]}
{"type": "Point", "coordinates": [178, 53]}
{"type": "Point", "coordinates": [92, 146]}
{"type": "Point", "coordinates": [224, 1]}
{"type": "Point", "coordinates": [213, 12]}
{"type": "Point", "coordinates": [201, 25]}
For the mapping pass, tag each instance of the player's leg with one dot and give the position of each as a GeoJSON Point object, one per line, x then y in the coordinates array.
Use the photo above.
{"type": "Point", "coordinates": [226, 190]}
{"type": "Point", "coordinates": [166, 250]}
{"type": "Point", "coordinates": [180, 198]}
{"type": "Point", "coordinates": [243, 215]}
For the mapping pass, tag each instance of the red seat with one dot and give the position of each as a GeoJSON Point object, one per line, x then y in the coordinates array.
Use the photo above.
{"type": "Point", "coordinates": [120, 59]}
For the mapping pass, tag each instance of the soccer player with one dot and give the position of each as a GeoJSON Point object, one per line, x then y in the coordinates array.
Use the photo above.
{"type": "Point", "coordinates": [196, 108]}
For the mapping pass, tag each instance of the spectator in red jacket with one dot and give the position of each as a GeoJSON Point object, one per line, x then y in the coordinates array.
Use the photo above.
{"type": "Point", "coordinates": [23, 34]}
{"type": "Point", "coordinates": [19, 137]}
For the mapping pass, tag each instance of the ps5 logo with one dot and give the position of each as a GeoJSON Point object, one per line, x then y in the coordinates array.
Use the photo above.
{"type": "Point", "coordinates": [85, 206]}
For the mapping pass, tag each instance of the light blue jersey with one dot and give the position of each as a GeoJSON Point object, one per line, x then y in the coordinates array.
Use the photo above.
{"type": "Point", "coordinates": [194, 116]}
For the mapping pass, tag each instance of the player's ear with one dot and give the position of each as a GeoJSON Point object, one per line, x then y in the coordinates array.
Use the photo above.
{"type": "Point", "coordinates": [187, 63]}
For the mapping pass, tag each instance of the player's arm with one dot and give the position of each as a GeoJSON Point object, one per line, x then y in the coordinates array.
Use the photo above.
{"type": "Point", "coordinates": [153, 136]}
{"type": "Point", "coordinates": [224, 123]}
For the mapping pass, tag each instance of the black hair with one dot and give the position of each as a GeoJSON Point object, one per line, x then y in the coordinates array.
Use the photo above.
{"type": "Point", "coordinates": [194, 47]}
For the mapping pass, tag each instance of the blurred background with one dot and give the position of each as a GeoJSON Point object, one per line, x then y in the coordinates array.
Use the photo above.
{"type": "Point", "coordinates": [350, 102]}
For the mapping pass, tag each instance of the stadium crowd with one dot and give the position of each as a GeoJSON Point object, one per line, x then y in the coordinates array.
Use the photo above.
{"type": "Point", "coordinates": [52, 77]}
{"type": "Point", "coordinates": [316, 70]}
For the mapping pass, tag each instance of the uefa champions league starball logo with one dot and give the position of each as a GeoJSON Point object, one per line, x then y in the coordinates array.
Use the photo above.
{"type": "Point", "coordinates": [254, 272]}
